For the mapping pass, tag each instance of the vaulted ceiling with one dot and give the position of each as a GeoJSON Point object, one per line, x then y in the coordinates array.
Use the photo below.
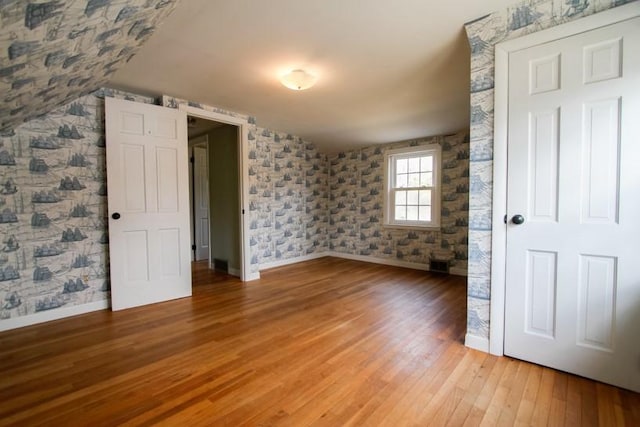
{"type": "Point", "coordinates": [387, 71]}
{"type": "Point", "coordinates": [51, 52]}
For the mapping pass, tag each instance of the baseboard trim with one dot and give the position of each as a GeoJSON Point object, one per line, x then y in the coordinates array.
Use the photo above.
{"type": "Point", "coordinates": [383, 261]}
{"type": "Point", "coordinates": [477, 343]}
{"type": "Point", "coordinates": [233, 272]}
{"type": "Point", "coordinates": [252, 276]}
{"type": "Point", "coordinates": [47, 316]}
{"type": "Point", "coordinates": [288, 261]}
{"type": "Point", "coordinates": [458, 271]}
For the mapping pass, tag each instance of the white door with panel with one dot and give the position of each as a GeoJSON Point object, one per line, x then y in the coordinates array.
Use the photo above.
{"type": "Point", "coordinates": [201, 201]}
{"type": "Point", "coordinates": [573, 203]}
{"type": "Point", "coordinates": [148, 200]}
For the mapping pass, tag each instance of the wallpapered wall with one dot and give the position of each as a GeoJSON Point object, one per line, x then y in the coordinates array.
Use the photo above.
{"type": "Point", "coordinates": [357, 198]}
{"type": "Point", "coordinates": [521, 19]}
{"type": "Point", "coordinates": [52, 52]}
{"type": "Point", "coordinates": [53, 221]}
{"type": "Point", "coordinates": [288, 193]}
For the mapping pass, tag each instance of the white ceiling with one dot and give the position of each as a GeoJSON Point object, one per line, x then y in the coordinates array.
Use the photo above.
{"type": "Point", "coordinates": [388, 70]}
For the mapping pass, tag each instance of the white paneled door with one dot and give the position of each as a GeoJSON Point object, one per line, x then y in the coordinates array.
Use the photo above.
{"type": "Point", "coordinates": [201, 201]}
{"type": "Point", "coordinates": [148, 201]}
{"type": "Point", "coordinates": [573, 203]}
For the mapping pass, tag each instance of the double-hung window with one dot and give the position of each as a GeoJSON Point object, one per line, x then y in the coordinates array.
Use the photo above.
{"type": "Point", "coordinates": [412, 187]}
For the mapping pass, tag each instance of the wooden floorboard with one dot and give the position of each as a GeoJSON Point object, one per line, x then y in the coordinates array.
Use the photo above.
{"type": "Point", "coordinates": [328, 342]}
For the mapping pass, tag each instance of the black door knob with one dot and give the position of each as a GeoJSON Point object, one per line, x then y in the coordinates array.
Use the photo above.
{"type": "Point", "coordinates": [115, 215]}
{"type": "Point", "coordinates": [517, 219]}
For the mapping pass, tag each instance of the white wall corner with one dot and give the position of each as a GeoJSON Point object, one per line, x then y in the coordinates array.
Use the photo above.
{"type": "Point", "coordinates": [47, 316]}
{"type": "Point", "coordinates": [477, 343]}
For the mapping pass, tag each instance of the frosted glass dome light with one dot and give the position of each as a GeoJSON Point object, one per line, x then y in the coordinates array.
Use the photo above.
{"type": "Point", "coordinates": [298, 80]}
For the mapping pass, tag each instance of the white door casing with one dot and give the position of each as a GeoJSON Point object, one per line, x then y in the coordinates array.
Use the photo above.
{"type": "Point", "coordinates": [201, 201]}
{"type": "Point", "coordinates": [147, 181]}
{"type": "Point", "coordinates": [243, 154]}
{"type": "Point", "coordinates": [572, 298]}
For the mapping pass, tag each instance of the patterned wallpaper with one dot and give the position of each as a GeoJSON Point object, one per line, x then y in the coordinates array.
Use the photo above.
{"type": "Point", "coordinates": [53, 204]}
{"type": "Point", "coordinates": [52, 52]}
{"type": "Point", "coordinates": [53, 221]}
{"type": "Point", "coordinates": [356, 203]}
{"type": "Point", "coordinates": [288, 193]}
{"type": "Point", "coordinates": [516, 21]}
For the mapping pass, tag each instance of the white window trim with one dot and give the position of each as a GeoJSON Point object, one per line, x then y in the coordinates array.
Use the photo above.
{"type": "Point", "coordinates": [436, 199]}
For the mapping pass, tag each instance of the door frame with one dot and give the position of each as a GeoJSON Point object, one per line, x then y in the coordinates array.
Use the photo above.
{"type": "Point", "coordinates": [500, 148]}
{"type": "Point", "coordinates": [243, 187]}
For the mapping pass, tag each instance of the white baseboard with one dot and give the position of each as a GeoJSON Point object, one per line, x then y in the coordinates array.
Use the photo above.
{"type": "Point", "coordinates": [477, 343]}
{"type": "Point", "coordinates": [295, 260]}
{"type": "Point", "coordinates": [252, 276]}
{"type": "Point", "coordinates": [456, 271]}
{"type": "Point", "coordinates": [383, 261]}
{"type": "Point", "coordinates": [49, 315]}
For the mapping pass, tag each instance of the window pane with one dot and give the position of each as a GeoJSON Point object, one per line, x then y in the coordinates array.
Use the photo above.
{"type": "Point", "coordinates": [401, 212]}
{"type": "Point", "coordinates": [414, 164]}
{"type": "Point", "coordinates": [412, 197]}
{"type": "Point", "coordinates": [425, 197]}
{"type": "Point", "coordinates": [426, 179]}
{"type": "Point", "coordinates": [412, 213]}
{"type": "Point", "coordinates": [401, 166]}
{"type": "Point", "coordinates": [414, 180]}
{"type": "Point", "coordinates": [425, 213]}
{"type": "Point", "coordinates": [426, 164]}
{"type": "Point", "coordinates": [401, 180]}
{"type": "Point", "coordinates": [401, 198]}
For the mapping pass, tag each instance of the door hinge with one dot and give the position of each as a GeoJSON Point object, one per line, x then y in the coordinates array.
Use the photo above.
{"type": "Point", "coordinates": [192, 159]}
{"type": "Point", "coordinates": [505, 218]}
{"type": "Point", "coordinates": [242, 211]}
{"type": "Point", "coordinates": [193, 247]}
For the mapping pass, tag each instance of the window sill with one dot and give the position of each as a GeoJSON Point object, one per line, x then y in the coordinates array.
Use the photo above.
{"type": "Point", "coordinates": [413, 227]}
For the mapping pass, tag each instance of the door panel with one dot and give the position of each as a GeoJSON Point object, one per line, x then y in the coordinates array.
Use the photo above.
{"type": "Point", "coordinates": [147, 175]}
{"type": "Point", "coordinates": [201, 194]}
{"type": "Point", "coordinates": [133, 162]}
{"type": "Point", "coordinates": [573, 276]}
{"type": "Point", "coordinates": [167, 170]}
{"type": "Point", "coordinates": [600, 161]}
{"type": "Point", "coordinates": [541, 293]}
{"type": "Point", "coordinates": [596, 302]}
{"type": "Point", "coordinates": [543, 166]}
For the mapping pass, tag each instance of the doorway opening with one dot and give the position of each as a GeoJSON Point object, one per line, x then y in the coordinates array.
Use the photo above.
{"type": "Point", "coordinates": [214, 190]}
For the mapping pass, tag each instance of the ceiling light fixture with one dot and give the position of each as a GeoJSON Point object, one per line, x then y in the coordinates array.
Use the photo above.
{"type": "Point", "coordinates": [298, 80]}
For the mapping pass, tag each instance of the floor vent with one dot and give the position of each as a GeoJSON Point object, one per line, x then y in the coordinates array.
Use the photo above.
{"type": "Point", "coordinates": [439, 266]}
{"type": "Point", "coordinates": [221, 265]}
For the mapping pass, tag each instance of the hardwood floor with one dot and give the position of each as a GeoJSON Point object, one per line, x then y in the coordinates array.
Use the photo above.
{"type": "Point", "coordinates": [328, 342]}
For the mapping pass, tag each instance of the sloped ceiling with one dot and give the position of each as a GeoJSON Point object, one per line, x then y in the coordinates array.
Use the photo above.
{"type": "Point", "coordinates": [51, 52]}
{"type": "Point", "coordinates": [388, 70]}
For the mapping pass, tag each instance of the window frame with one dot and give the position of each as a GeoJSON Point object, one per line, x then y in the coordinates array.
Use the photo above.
{"type": "Point", "coordinates": [390, 157]}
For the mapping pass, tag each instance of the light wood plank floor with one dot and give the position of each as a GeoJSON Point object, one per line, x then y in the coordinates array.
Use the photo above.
{"type": "Point", "coordinates": [327, 342]}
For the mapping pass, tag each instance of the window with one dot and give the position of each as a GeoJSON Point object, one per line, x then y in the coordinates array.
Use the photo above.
{"type": "Point", "coordinates": [412, 187]}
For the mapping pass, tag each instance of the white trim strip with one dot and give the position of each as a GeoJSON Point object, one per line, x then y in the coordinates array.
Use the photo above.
{"type": "Point", "coordinates": [290, 261]}
{"type": "Point", "coordinates": [392, 262]}
{"type": "Point", "coordinates": [56, 314]}
{"type": "Point", "coordinates": [477, 343]}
